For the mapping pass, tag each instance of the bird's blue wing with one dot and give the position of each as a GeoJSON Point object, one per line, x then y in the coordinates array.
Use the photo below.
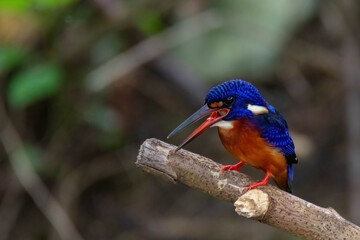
{"type": "Point", "coordinates": [274, 129]}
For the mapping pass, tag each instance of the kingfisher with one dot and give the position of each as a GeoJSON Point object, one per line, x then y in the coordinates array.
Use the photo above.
{"type": "Point", "coordinates": [252, 130]}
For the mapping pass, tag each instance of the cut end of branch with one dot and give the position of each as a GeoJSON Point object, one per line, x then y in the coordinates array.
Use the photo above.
{"type": "Point", "coordinates": [266, 204]}
{"type": "Point", "coordinates": [155, 160]}
{"type": "Point", "coordinates": [253, 204]}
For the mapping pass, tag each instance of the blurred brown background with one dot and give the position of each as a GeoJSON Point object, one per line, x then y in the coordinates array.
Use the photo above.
{"type": "Point", "coordinates": [84, 83]}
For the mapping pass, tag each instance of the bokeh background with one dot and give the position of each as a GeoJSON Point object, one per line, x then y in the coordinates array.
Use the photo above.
{"type": "Point", "coordinates": [84, 83]}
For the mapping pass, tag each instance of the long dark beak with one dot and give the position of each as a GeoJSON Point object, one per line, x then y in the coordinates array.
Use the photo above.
{"type": "Point", "coordinates": [216, 116]}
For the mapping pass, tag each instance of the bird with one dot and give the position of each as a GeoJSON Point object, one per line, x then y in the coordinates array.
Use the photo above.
{"type": "Point", "coordinates": [250, 129]}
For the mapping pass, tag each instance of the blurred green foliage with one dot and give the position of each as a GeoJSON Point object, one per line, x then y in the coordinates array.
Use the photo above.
{"type": "Point", "coordinates": [26, 5]}
{"type": "Point", "coordinates": [34, 154]}
{"type": "Point", "coordinates": [52, 3]}
{"type": "Point", "coordinates": [106, 47]}
{"type": "Point", "coordinates": [33, 84]}
{"type": "Point", "coordinates": [17, 5]}
{"type": "Point", "coordinates": [149, 21]}
{"type": "Point", "coordinates": [10, 56]}
{"type": "Point", "coordinates": [251, 38]}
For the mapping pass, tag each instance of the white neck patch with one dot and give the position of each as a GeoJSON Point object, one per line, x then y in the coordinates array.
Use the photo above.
{"type": "Point", "coordinates": [223, 124]}
{"type": "Point", "coordinates": [255, 109]}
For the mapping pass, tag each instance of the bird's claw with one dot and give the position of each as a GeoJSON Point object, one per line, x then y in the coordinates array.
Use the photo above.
{"type": "Point", "coordinates": [235, 167]}
{"type": "Point", "coordinates": [261, 183]}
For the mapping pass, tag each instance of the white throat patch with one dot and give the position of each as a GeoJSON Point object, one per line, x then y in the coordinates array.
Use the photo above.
{"type": "Point", "coordinates": [223, 124]}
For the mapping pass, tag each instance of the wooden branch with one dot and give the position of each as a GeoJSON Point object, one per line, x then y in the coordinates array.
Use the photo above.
{"type": "Point", "coordinates": [266, 204]}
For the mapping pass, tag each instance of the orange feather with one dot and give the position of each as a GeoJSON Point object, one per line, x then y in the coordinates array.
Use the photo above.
{"type": "Point", "coordinates": [245, 143]}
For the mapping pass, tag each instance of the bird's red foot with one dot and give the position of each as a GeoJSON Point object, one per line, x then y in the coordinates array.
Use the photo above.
{"type": "Point", "coordinates": [235, 167]}
{"type": "Point", "coordinates": [262, 183]}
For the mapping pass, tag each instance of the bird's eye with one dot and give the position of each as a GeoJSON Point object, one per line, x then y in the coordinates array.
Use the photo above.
{"type": "Point", "coordinates": [228, 101]}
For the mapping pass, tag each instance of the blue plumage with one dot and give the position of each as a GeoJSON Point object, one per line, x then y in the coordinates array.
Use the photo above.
{"type": "Point", "coordinates": [249, 128]}
{"type": "Point", "coordinates": [274, 129]}
{"type": "Point", "coordinates": [245, 92]}
{"type": "Point", "coordinates": [271, 125]}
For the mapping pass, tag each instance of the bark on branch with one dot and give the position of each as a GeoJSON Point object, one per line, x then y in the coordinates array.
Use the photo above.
{"type": "Point", "coordinates": [266, 204]}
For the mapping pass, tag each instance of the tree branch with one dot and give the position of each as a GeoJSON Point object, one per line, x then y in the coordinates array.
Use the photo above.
{"type": "Point", "coordinates": [266, 204]}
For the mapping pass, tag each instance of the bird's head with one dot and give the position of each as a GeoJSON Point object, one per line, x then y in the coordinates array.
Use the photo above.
{"type": "Point", "coordinates": [228, 101]}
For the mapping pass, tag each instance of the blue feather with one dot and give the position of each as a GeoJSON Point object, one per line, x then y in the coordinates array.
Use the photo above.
{"type": "Point", "coordinates": [274, 129]}
{"type": "Point", "coordinates": [271, 108]}
{"type": "Point", "coordinates": [242, 89]}
{"type": "Point", "coordinates": [290, 173]}
{"type": "Point", "coordinates": [272, 126]}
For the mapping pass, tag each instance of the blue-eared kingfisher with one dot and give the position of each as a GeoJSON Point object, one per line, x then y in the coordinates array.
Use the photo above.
{"type": "Point", "coordinates": [249, 128]}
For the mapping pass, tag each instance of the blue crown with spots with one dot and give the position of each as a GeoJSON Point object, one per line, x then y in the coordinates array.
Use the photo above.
{"type": "Point", "coordinates": [237, 88]}
{"type": "Point", "coordinates": [244, 93]}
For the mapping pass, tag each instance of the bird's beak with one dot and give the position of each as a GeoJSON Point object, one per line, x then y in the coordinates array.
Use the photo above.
{"type": "Point", "coordinates": [216, 115]}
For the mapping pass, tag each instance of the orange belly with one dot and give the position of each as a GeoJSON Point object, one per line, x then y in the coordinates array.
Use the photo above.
{"type": "Point", "coordinates": [244, 142]}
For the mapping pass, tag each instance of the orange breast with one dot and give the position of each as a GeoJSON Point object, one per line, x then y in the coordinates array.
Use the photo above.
{"type": "Point", "coordinates": [244, 142]}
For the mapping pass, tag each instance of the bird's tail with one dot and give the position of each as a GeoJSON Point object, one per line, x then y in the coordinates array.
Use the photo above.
{"type": "Point", "coordinates": [284, 181]}
{"type": "Point", "coordinates": [290, 177]}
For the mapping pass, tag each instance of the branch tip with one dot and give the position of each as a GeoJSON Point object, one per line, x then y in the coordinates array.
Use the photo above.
{"type": "Point", "coordinates": [252, 204]}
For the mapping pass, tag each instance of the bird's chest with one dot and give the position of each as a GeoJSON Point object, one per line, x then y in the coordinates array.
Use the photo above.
{"type": "Point", "coordinates": [245, 143]}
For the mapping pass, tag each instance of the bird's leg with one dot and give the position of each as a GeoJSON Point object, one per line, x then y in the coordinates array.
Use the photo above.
{"type": "Point", "coordinates": [235, 167]}
{"type": "Point", "coordinates": [262, 183]}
